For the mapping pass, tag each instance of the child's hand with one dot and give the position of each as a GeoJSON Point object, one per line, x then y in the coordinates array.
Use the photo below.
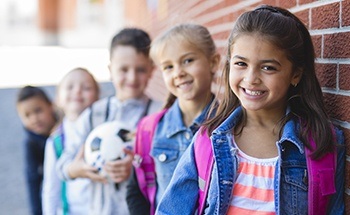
{"type": "Point", "coordinates": [80, 169]}
{"type": "Point", "coordinates": [120, 170]}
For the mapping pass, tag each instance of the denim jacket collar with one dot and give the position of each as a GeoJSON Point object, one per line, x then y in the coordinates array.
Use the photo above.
{"type": "Point", "coordinates": [288, 134]}
{"type": "Point", "coordinates": [174, 123]}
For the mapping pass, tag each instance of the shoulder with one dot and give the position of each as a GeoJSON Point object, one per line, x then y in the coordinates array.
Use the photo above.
{"type": "Point", "coordinates": [150, 122]}
{"type": "Point", "coordinates": [156, 116]}
{"type": "Point", "coordinates": [101, 103]}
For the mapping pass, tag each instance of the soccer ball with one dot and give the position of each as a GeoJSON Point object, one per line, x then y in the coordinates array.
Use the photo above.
{"type": "Point", "coordinates": [106, 143]}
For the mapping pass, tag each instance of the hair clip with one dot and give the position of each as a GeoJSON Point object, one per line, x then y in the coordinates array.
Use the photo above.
{"type": "Point", "coordinates": [269, 8]}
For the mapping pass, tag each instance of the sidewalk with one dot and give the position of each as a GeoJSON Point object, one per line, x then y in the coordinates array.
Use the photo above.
{"type": "Point", "coordinates": [13, 198]}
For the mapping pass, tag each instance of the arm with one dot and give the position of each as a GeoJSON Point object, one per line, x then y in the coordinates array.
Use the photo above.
{"type": "Point", "coordinates": [336, 204]}
{"type": "Point", "coordinates": [181, 195]}
{"type": "Point", "coordinates": [52, 184]}
{"type": "Point", "coordinates": [120, 170]}
{"type": "Point", "coordinates": [71, 164]}
{"type": "Point", "coordinates": [137, 203]}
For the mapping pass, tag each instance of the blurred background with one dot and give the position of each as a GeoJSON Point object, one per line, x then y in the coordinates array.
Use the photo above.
{"type": "Point", "coordinates": [46, 38]}
{"type": "Point", "coordinates": [41, 40]}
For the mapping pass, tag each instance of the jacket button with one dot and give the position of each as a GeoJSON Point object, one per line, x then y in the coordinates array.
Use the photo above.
{"type": "Point", "coordinates": [187, 136]}
{"type": "Point", "coordinates": [162, 157]}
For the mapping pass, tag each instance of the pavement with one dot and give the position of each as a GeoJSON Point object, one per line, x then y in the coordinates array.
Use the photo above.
{"type": "Point", "coordinates": [13, 193]}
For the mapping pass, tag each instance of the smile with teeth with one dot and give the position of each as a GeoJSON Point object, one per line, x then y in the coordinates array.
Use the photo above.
{"type": "Point", "coordinates": [184, 85]}
{"type": "Point", "coordinates": [254, 92]}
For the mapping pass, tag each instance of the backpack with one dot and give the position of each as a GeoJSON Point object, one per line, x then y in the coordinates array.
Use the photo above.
{"type": "Point", "coordinates": [143, 162]}
{"type": "Point", "coordinates": [320, 181]}
{"type": "Point", "coordinates": [58, 143]}
{"type": "Point", "coordinates": [101, 115]}
{"type": "Point", "coordinates": [98, 117]}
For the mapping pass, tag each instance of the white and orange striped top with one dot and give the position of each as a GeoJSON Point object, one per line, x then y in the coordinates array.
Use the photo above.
{"type": "Point", "coordinates": [253, 191]}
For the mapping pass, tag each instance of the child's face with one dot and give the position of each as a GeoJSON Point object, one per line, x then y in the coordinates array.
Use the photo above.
{"type": "Point", "coordinates": [76, 92]}
{"type": "Point", "coordinates": [260, 74]}
{"type": "Point", "coordinates": [187, 72]}
{"type": "Point", "coordinates": [130, 72]}
{"type": "Point", "coordinates": [36, 115]}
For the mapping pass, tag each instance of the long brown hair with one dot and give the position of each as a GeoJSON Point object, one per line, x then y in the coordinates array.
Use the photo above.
{"type": "Point", "coordinates": [287, 32]}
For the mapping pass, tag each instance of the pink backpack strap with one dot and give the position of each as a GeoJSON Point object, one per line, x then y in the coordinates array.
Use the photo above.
{"type": "Point", "coordinates": [321, 180]}
{"type": "Point", "coordinates": [143, 162]}
{"type": "Point", "coordinates": [204, 161]}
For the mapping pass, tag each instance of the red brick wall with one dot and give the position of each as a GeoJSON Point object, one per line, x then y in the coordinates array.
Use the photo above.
{"type": "Point", "coordinates": [327, 20]}
{"type": "Point", "coordinates": [55, 15]}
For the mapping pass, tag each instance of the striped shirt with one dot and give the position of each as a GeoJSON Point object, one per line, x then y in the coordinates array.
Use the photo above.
{"type": "Point", "coordinates": [253, 192]}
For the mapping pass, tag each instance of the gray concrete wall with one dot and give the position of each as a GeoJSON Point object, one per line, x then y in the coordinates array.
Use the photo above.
{"type": "Point", "coordinates": [13, 193]}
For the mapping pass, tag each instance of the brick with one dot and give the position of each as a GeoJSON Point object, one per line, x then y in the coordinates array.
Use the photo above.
{"type": "Point", "coordinates": [344, 77]}
{"type": "Point", "coordinates": [218, 6]}
{"type": "Point", "coordinates": [317, 41]}
{"type": "Point", "coordinates": [221, 20]}
{"type": "Point", "coordinates": [345, 13]}
{"type": "Point", "coordinates": [286, 3]}
{"type": "Point", "coordinates": [270, 2]}
{"type": "Point", "coordinates": [337, 106]}
{"type": "Point", "coordinates": [304, 17]}
{"type": "Point", "coordinates": [347, 204]}
{"type": "Point", "coordinates": [347, 175]}
{"type": "Point", "coordinates": [337, 45]}
{"type": "Point", "coordinates": [221, 35]}
{"type": "Point", "coordinates": [301, 2]}
{"type": "Point", "coordinates": [327, 75]}
{"type": "Point", "coordinates": [326, 16]}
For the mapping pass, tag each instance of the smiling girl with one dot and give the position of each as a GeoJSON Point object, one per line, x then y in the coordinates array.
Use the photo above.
{"type": "Point", "coordinates": [269, 117]}
{"type": "Point", "coordinates": [188, 69]}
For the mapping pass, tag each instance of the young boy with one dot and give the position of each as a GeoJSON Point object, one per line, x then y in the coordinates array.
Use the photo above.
{"type": "Point", "coordinates": [38, 118]}
{"type": "Point", "coordinates": [130, 69]}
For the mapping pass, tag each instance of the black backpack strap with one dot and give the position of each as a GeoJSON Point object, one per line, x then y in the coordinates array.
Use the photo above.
{"type": "Point", "coordinates": [95, 116]}
{"type": "Point", "coordinates": [148, 105]}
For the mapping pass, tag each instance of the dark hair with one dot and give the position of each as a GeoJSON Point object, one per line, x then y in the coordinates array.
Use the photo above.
{"type": "Point", "coordinates": [134, 37]}
{"type": "Point", "coordinates": [287, 32]}
{"type": "Point", "coordinates": [29, 92]}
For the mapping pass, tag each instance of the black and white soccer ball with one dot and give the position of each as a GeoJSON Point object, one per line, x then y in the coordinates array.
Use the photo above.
{"type": "Point", "coordinates": [106, 143]}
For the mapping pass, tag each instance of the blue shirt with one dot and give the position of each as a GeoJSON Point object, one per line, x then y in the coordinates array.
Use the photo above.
{"type": "Point", "coordinates": [34, 159]}
{"type": "Point", "coordinates": [182, 192]}
{"type": "Point", "coordinates": [170, 141]}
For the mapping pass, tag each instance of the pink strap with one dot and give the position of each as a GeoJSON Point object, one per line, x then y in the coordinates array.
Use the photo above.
{"type": "Point", "coordinates": [144, 164]}
{"type": "Point", "coordinates": [204, 162]}
{"type": "Point", "coordinates": [321, 175]}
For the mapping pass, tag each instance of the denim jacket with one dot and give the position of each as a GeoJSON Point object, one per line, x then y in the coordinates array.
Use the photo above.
{"type": "Point", "coordinates": [170, 141]}
{"type": "Point", "coordinates": [290, 184]}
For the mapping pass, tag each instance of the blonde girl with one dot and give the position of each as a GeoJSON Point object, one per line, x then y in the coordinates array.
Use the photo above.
{"type": "Point", "coordinates": [187, 58]}
{"type": "Point", "coordinates": [77, 90]}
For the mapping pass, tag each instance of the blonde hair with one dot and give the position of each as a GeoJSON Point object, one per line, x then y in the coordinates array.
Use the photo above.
{"type": "Point", "coordinates": [195, 35]}
{"type": "Point", "coordinates": [96, 85]}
